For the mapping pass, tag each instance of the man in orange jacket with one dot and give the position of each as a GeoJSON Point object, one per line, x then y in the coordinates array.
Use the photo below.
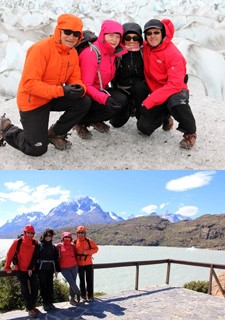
{"type": "Point", "coordinates": [51, 81]}
{"type": "Point", "coordinates": [85, 248]}
{"type": "Point", "coordinates": [27, 278]}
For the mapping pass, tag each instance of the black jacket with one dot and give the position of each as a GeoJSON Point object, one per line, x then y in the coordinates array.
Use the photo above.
{"type": "Point", "coordinates": [130, 70]}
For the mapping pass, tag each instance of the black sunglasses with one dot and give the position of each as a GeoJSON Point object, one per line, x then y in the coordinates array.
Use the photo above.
{"type": "Point", "coordinates": [80, 232]}
{"type": "Point", "coordinates": [76, 34]}
{"type": "Point", "coordinates": [149, 33]}
{"type": "Point", "coordinates": [128, 38]}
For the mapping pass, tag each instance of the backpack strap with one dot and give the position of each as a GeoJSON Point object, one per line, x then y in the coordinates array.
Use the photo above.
{"type": "Point", "coordinates": [98, 55]}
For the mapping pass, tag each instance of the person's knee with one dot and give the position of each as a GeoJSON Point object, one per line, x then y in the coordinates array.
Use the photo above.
{"type": "Point", "coordinates": [144, 128]}
{"type": "Point", "coordinates": [37, 151]}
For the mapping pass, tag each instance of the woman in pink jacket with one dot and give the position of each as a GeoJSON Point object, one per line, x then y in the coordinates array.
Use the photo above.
{"type": "Point", "coordinates": [68, 265]}
{"type": "Point", "coordinates": [165, 73]}
{"type": "Point", "coordinates": [107, 103]}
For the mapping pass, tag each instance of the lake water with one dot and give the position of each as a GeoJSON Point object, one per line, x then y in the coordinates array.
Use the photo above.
{"type": "Point", "coordinates": [119, 279]}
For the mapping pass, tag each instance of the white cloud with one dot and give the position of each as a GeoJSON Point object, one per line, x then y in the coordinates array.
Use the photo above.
{"type": "Point", "coordinates": [42, 198]}
{"type": "Point", "coordinates": [193, 181]}
{"type": "Point", "coordinates": [188, 211]}
{"type": "Point", "coordinates": [149, 209]}
{"type": "Point", "coordinates": [162, 205]}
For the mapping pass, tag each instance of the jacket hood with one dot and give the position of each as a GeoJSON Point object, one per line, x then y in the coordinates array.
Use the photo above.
{"type": "Point", "coordinates": [111, 26]}
{"type": "Point", "coordinates": [66, 234]}
{"type": "Point", "coordinates": [81, 229]}
{"type": "Point", "coordinates": [132, 27]}
{"type": "Point", "coordinates": [70, 22]}
{"type": "Point", "coordinates": [169, 28]}
{"type": "Point", "coordinates": [29, 228]}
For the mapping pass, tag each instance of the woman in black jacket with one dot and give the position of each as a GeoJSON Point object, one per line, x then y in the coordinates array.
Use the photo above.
{"type": "Point", "coordinates": [47, 266]}
{"type": "Point", "coordinates": [130, 73]}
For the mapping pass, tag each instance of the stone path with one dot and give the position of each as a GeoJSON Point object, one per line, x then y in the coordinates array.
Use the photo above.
{"type": "Point", "coordinates": [159, 303]}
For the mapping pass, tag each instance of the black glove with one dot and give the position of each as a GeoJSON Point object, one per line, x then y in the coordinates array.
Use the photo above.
{"type": "Point", "coordinates": [111, 103]}
{"type": "Point", "coordinates": [73, 91]}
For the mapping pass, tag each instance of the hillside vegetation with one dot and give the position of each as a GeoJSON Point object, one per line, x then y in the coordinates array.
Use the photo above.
{"type": "Point", "coordinates": [208, 231]}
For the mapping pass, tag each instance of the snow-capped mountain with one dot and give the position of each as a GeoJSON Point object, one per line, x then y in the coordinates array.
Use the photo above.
{"type": "Point", "coordinates": [81, 211]}
{"type": "Point", "coordinates": [172, 217]}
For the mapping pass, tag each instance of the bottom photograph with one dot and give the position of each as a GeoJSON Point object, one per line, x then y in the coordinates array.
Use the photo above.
{"type": "Point", "coordinates": [112, 244]}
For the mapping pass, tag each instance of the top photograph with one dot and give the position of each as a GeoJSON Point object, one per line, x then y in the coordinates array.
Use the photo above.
{"type": "Point", "coordinates": [91, 85]}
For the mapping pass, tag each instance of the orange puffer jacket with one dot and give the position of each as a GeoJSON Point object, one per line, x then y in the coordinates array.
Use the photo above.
{"type": "Point", "coordinates": [84, 251]}
{"type": "Point", "coordinates": [24, 255]}
{"type": "Point", "coordinates": [49, 64]}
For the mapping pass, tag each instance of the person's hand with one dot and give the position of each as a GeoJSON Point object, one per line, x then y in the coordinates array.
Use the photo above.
{"type": "Point", "coordinates": [29, 273]}
{"type": "Point", "coordinates": [8, 271]}
{"type": "Point", "coordinates": [73, 91]}
{"type": "Point", "coordinates": [111, 103]}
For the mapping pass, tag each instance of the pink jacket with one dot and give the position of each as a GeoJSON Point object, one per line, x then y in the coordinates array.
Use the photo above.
{"type": "Point", "coordinates": [164, 68]}
{"type": "Point", "coordinates": [89, 66]}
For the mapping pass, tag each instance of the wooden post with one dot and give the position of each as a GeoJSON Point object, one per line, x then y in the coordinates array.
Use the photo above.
{"type": "Point", "coordinates": [210, 279]}
{"type": "Point", "coordinates": [168, 272]}
{"type": "Point", "coordinates": [137, 277]}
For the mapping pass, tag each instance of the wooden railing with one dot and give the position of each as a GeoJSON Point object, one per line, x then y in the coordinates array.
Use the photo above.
{"type": "Point", "coordinates": [169, 262]}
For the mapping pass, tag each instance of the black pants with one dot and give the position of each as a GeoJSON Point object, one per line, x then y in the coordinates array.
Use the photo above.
{"type": "Point", "coordinates": [136, 94]}
{"type": "Point", "coordinates": [177, 106]}
{"type": "Point", "coordinates": [86, 281]}
{"type": "Point", "coordinates": [29, 288]}
{"type": "Point", "coordinates": [33, 139]}
{"type": "Point", "coordinates": [46, 286]}
{"type": "Point", "coordinates": [100, 112]}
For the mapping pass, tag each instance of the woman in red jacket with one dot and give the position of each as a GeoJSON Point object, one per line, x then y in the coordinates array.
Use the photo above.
{"type": "Point", "coordinates": [85, 248]}
{"type": "Point", "coordinates": [165, 73]}
{"type": "Point", "coordinates": [50, 81]}
{"type": "Point", "coordinates": [68, 265]}
{"type": "Point", "coordinates": [107, 103]}
{"type": "Point", "coordinates": [26, 276]}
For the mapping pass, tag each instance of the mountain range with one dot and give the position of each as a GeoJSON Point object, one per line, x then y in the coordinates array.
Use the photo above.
{"type": "Point", "coordinates": [81, 211]}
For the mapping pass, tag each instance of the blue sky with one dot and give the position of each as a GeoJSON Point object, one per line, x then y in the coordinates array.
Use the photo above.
{"type": "Point", "coordinates": [187, 192]}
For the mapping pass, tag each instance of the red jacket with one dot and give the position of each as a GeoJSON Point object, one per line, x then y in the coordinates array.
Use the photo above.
{"type": "Point", "coordinates": [48, 66]}
{"type": "Point", "coordinates": [82, 245]}
{"type": "Point", "coordinates": [67, 257]}
{"type": "Point", "coordinates": [24, 255]}
{"type": "Point", "coordinates": [164, 68]}
{"type": "Point", "coordinates": [89, 66]}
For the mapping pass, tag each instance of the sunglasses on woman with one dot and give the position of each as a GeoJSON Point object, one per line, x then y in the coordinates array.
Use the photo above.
{"type": "Point", "coordinates": [128, 38]}
{"type": "Point", "coordinates": [68, 32]}
{"type": "Point", "coordinates": [149, 33]}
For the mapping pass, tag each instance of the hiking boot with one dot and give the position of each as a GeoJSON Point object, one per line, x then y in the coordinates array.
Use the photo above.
{"type": "Point", "coordinates": [72, 302]}
{"type": "Point", "coordinates": [188, 141]}
{"type": "Point", "coordinates": [32, 313]}
{"type": "Point", "coordinates": [46, 307]}
{"type": "Point", "coordinates": [101, 126]}
{"type": "Point", "coordinates": [82, 131]}
{"type": "Point", "coordinates": [90, 299]}
{"type": "Point", "coordinates": [83, 299]}
{"type": "Point", "coordinates": [59, 141]}
{"type": "Point", "coordinates": [167, 124]}
{"type": "Point", "coordinates": [4, 122]}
